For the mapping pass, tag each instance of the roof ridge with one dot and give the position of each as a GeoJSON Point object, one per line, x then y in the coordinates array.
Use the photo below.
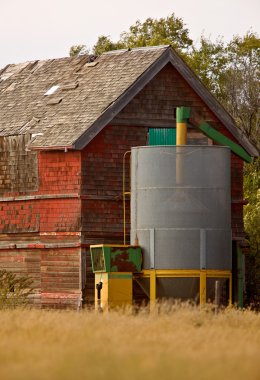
{"type": "Point", "coordinates": [119, 51]}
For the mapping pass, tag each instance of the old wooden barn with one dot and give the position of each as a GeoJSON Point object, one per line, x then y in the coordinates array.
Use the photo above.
{"type": "Point", "coordinates": [65, 125]}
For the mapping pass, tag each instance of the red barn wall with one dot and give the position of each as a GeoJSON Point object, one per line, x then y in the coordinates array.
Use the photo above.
{"type": "Point", "coordinates": [40, 228]}
{"type": "Point", "coordinates": [102, 182]}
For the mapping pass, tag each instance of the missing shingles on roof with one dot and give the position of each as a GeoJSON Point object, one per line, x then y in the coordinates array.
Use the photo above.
{"type": "Point", "coordinates": [32, 123]}
{"type": "Point", "coordinates": [69, 86]}
{"type": "Point", "coordinates": [52, 90]}
{"type": "Point", "coordinates": [36, 134]}
{"type": "Point", "coordinates": [88, 61]}
{"type": "Point", "coordinates": [91, 64]}
{"type": "Point", "coordinates": [54, 101]}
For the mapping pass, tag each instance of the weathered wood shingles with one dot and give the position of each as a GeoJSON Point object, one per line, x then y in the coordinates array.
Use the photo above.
{"type": "Point", "coordinates": [22, 171]}
{"type": "Point", "coordinates": [22, 93]}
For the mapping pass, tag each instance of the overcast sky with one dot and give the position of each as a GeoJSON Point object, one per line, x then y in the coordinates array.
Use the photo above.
{"type": "Point", "coordinates": [39, 29]}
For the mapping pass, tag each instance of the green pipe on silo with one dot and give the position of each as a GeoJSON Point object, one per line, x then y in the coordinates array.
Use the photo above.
{"type": "Point", "coordinates": [219, 138]}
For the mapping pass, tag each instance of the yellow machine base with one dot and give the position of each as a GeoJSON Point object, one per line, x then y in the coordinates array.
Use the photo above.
{"type": "Point", "coordinates": [117, 290]}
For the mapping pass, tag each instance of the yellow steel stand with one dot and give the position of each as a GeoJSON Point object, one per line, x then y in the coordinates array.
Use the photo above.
{"type": "Point", "coordinates": [203, 274]}
{"type": "Point", "coordinates": [230, 291]}
{"type": "Point", "coordinates": [203, 287]}
{"type": "Point", "coordinates": [152, 286]}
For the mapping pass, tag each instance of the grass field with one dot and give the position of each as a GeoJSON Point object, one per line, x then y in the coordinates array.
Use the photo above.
{"type": "Point", "coordinates": [172, 342]}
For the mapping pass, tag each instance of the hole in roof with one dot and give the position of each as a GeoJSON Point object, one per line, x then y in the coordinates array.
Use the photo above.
{"type": "Point", "coordinates": [91, 64]}
{"type": "Point", "coordinates": [52, 90]}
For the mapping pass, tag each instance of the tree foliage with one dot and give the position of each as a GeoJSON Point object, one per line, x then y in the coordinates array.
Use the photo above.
{"type": "Point", "coordinates": [252, 209]}
{"type": "Point", "coordinates": [164, 31]}
{"type": "Point", "coordinates": [76, 49]}
{"type": "Point", "coordinates": [104, 44]}
{"type": "Point", "coordinates": [240, 91]}
{"type": "Point", "coordinates": [252, 228]}
{"type": "Point", "coordinates": [231, 72]}
{"type": "Point", "coordinates": [209, 60]}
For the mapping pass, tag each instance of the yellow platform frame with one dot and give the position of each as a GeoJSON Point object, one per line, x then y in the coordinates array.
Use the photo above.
{"type": "Point", "coordinates": [202, 274]}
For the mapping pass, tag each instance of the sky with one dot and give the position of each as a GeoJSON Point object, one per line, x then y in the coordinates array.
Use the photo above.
{"type": "Point", "coordinates": [41, 29]}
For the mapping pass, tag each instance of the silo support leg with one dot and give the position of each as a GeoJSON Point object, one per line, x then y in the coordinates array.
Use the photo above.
{"type": "Point", "coordinates": [152, 286]}
{"type": "Point", "coordinates": [230, 291]}
{"type": "Point", "coordinates": [203, 283]}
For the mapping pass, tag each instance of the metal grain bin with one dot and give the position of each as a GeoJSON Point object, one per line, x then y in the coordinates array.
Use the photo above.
{"type": "Point", "coordinates": [180, 206]}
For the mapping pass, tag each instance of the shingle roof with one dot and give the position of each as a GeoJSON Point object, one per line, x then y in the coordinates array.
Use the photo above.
{"type": "Point", "coordinates": [89, 95]}
{"type": "Point", "coordinates": [86, 91]}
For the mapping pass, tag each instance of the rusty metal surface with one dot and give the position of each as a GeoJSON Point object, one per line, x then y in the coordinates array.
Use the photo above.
{"type": "Point", "coordinates": [109, 258]}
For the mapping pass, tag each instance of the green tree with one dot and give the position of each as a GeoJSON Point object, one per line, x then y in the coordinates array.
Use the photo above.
{"type": "Point", "coordinates": [252, 209]}
{"type": "Point", "coordinates": [104, 44]}
{"type": "Point", "coordinates": [231, 72]}
{"type": "Point", "coordinates": [164, 31]}
{"type": "Point", "coordinates": [170, 30]}
{"type": "Point", "coordinates": [240, 92]}
{"type": "Point", "coordinates": [252, 227]}
{"type": "Point", "coordinates": [76, 49]}
{"type": "Point", "coordinates": [209, 61]}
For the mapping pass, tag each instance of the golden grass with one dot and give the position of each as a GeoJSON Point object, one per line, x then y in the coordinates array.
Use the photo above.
{"type": "Point", "coordinates": [172, 342]}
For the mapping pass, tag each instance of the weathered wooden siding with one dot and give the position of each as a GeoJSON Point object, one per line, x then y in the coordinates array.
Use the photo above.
{"type": "Point", "coordinates": [40, 229]}
{"type": "Point", "coordinates": [18, 167]}
{"type": "Point", "coordinates": [156, 103]}
{"type": "Point", "coordinates": [237, 200]}
{"type": "Point", "coordinates": [102, 181]}
{"type": "Point", "coordinates": [60, 278]}
{"type": "Point", "coordinates": [23, 262]}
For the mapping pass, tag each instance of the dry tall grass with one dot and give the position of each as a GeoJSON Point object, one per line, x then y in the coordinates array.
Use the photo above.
{"type": "Point", "coordinates": [173, 342]}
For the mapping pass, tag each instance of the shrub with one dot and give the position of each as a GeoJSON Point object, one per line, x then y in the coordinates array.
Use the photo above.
{"type": "Point", "coordinates": [14, 290]}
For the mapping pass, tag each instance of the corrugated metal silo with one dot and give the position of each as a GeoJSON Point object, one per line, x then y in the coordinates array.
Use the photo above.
{"type": "Point", "coordinates": [180, 206]}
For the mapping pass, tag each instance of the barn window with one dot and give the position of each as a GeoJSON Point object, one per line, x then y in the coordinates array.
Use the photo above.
{"type": "Point", "coordinates": [162, 136]}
